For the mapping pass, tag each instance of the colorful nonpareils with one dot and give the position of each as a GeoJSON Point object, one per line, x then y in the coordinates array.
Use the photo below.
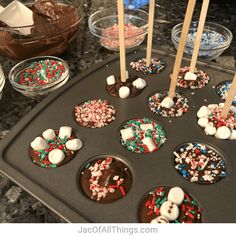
{"type": "Point", "coordinates": [105, 179]}
{"type": "Point", "coordinates": [222, 90]}
{"type": "Point", "coordinates": [169, 205]}
{"type": "Point", "coordinates": [142, 135]}
{"type": "Point", "coordinates": [94, 113]}
{"type": "Point", "coordinates": [199, 163]}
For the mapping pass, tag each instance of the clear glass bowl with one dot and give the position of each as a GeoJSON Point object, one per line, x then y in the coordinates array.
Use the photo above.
{"type": "Point", "coordinates": [42, 90]}
{"type": "Point", "coordinates": [2, 81]}
{"type": "Point", "coordinates": [216, 39]}
{"type": "Point", "coordinates": [50, 39]}
{"type": "Point", "coordinates": [104, 25]}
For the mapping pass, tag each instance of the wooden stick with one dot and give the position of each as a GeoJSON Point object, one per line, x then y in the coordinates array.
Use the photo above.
{"type": "Point", "coordinates": [180, 51]}
{"type": "Point", "coordinates": [121, 23]}
{"type": "Point", "coordinates": [230, 98]}
{"type": "Point", "coordinates": [150, 31]}
{"type": "Point", "coordinates": [200, 29]}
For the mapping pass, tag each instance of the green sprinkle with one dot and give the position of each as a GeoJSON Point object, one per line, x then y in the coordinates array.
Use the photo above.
{"type": "Point", "coordinates": [163, 200]}
{"type": "Point", "coordinates": [53, 165]}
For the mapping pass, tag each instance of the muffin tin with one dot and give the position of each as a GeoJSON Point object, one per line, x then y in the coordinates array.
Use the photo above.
{"type": "Point", "coordinates": [58, 188]}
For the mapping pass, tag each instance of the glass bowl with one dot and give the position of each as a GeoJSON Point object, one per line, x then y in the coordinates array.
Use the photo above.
{"type": "Point", "coordinates": [215, 39]}
{"type": "Point", "coordinates": [38, 89]}
{"type": "Point", "coordinates": [50, 38]}
{"type": "Point", "coordinates": [2, 81]}
{"type": "Point", "coordinates": [104, 25]}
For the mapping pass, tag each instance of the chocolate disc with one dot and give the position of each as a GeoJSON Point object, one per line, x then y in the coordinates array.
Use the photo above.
{"type": "Point", "coordinates": [105, 179]}
{"type": "Point", "coordinates": [199, 163]}
{"type": "Point", "coordinates": [168, 203]}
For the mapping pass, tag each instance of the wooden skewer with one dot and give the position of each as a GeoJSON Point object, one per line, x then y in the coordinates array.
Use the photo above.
{"type": "Point", "coordinates": [230, 98]}
{"type": "Point", "coordinates": [180, 51]}
{"type": "Point", "coordinates": [150, 31]}
{"type": "Point", "coordinates": [200, 29]}
{"type": "Point", "coordinates": [121, 24]}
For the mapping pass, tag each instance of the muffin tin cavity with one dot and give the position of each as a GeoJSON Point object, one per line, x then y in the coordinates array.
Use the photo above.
{"type": "Point", "coordinates": [105, 179]}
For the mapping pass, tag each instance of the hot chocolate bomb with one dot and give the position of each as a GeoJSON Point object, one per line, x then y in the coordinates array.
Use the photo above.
{"type": "Point", "coordinates": [54, 28]}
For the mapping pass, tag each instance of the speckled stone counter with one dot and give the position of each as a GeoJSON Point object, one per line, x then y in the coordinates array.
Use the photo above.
{"type": "Point", "coordinates": [15, 204]}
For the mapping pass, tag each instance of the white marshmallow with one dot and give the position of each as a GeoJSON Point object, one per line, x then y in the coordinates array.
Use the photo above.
{"type": "Point", "coordinates": [149, 143]}
{"type": "Point", "coordinates": [167, 102]}
{"type": "Point", "coordinates": [65, 131]}
{"type": "Point", "coordinates": [49, 134]}
{"type": "Point", "coordinates": [223, 133]}
{"type": "Point", "coordinates": [159, 220]}
{"type": "Point", "coordinates": [176, 195]}
{"type": "Point", "coordinates": [202, 112]}
{"type": "Point", "coordinates": [145, 127]}
{"type": "Point", "coordinates": [74, 144]}
{"type": "Point", "coordinates": [169, 210]}
{"type": "Point", "coordinates": [39, 144]}
{"type": "Point", "coordinates": [202, 122]}
{"type": "Point", "coordinates": [221, 105]}
{"type": "Point", "coordinates": [127, 74]}
{"type": "Point", "coordinates": [124, 92]}
{"type": "Point", "coordinates": [233, 109]}
{"type": "Point", "coordinates": [127, 133]}
{"type": "Point", "coordinates": [139, 83]}
{"type": "Point", "coordinates": [212, 106]}
{"type": "Point", "coordinates": [233, 135]}
{"type": "Point", "coordinates": [56, 156]}
{"type": "Point", "coordinates": [190, 76]}
{"type": "Point", "coordinates": [210, 130]}
{"type": "Point", "coordinates": [111, 80]}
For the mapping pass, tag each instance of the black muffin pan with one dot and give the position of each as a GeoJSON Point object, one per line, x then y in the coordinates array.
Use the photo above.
{"type": "Point", "coordinates": [58, 188]}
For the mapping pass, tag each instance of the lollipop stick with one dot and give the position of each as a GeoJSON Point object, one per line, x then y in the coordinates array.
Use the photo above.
{"type": "Point", "coordinates": [150, 31]}
{"type": "Point", "coordinates": [197, 43]}
{"type": "Point", "coordinates": [121, 24]}
{"type": "Point", "coordinates": [180, 51]}
{"type": "Point", "coordinates": [230, 97]}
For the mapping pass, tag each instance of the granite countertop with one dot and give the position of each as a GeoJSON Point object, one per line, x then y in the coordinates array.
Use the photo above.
{"type": "Point", "coordinates": [16, 205]}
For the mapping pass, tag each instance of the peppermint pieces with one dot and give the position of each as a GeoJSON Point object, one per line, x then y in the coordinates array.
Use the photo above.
{"type": "Point", "coordinates": [54, 148]}
{"type": "Point", "coordinates": [158, 104]}
{"type": "Point", "coordinates": [209, 119]}
{"type": "Point", "coordinates": [105, 179]}
{"type": "Point", "coordinates": [94, 113]}
{"type": "Point", "coordinates": [222, 90]}
{"type": "Point", "coordinates": [40, 73]}
{"type": "Point", "coordinates": [155, 67]}
{"type": "Point", "coordinates": [142, 135]}
{"type": "Point", "coordinates": [200, 81]}
{"type": "Point", "coordinates": [169, 205]}
{"type": "Point", "coordinates": [199, 163]}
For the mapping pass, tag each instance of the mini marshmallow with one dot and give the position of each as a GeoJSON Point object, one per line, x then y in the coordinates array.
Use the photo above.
{"type": "Point", "coordinates": [124, 92]}
{"type": "Point", "coordinates": [202, 112]}
{"type": "Point", "coordinates": [176, 195]}
{"type": "Point", "coordinates": [169, 210]}
{"type": "Point", "coordinates": [149, 143]}
{"type": "Point", "coordinates": [190, 76]}
{"type": "Point", "coordinates": [159, 220]}
{"type": "Point", "coordinates": [65, 131]}
{"type": "Point", "coordinates": [223, 132]}
{"type": "Point", "coordinates": [111, 80]}
{"type": "Point", "coordinates": [49, 134]}
{"type": "Point", "coordinates": [74, 144]}
{"type": "Point", "coordinates": [233, 109]}
{"type": "Point", "coordinates": [167, 102]}
{"type": "Point", "coordinates": [127, 133]}
{"type": "Point", "coordinates": [145, 127]}
{"type": "Point", "coordinates": [139, 83]}
{"type": "Point", "coordinates": [212, 106]}
{"type": "Point", "coordinates": [39, 144]}
{"type": "Point", "coordinates": [126, 74]}
{"type": "Point", "coordinates": [210, 130]}
{"type": "Point", "coordinates": [56, 156]}
{"type": "Point", "coordinates": [233, 135]}
{"type": "Point", "coordinates": [202, 122]}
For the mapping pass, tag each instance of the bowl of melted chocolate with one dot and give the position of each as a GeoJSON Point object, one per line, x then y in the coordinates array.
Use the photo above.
{"type": "Point", "coordinates": [38, 27]}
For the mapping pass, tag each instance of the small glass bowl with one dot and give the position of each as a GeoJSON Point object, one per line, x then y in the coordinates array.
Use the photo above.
{"type": "Point", "coordinates": [222, 38]}
{"type": "Point", "coordinates": [42, 90]}
{"type": "Point", "coordinates": [2, 81]}
{"type": "Point", "coordinates": [104, 25]}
